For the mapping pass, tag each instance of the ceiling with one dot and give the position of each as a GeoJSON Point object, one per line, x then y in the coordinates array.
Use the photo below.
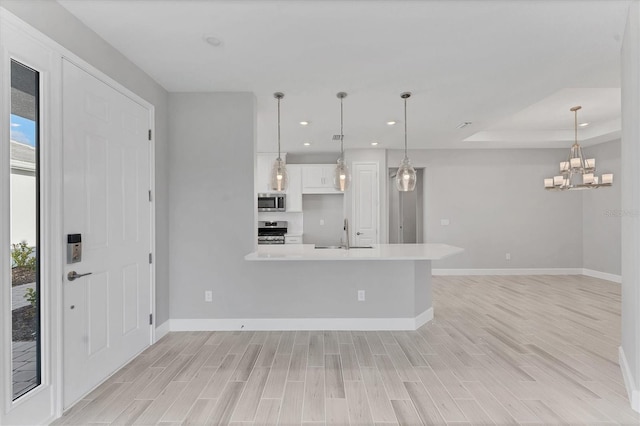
{"type": "Point", "coordinates": [513, 67]}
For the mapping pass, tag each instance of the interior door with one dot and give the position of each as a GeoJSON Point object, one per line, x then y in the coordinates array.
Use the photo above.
{"type": "Point", "coordinates": [106, 183]}
{"type": "Point", "coordinates": [365, 203]}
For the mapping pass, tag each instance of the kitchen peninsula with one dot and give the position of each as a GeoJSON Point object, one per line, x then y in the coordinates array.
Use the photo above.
{"type": "Point", "coordinates": [385, 287]}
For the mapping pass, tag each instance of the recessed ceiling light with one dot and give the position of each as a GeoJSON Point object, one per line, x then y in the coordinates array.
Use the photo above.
{"type": "Point", "coordinates": [214, 41]}
{"type": "Point", "coordinates": [307, 143]}
{"type": "Point", "coordinates": [583, 124]}
{"type": "Point", "coordinates": [374, 143]}
{"type": "Point", "coordinates": [463, 124]}
{"type": "Point", "coordinates": [304, 123]}
{"type": "Point", "coordinates": [391, 123]}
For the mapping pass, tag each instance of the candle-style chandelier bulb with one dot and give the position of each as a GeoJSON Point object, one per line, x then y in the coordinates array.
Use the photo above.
{"type": "Point", "coordinates": [577, 172]}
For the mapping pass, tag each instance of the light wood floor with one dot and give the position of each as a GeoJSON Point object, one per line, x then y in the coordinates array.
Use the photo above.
{"type": "Point", "coordinates": [501, 350]}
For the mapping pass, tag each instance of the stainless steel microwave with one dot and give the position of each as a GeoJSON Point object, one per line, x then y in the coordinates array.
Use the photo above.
{"type": "Point", "coordinates": [272, 203]}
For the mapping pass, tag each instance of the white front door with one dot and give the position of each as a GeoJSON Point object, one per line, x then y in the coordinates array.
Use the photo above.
{"type": "Point", "coordinates": [365, 203]}
{"type": "Point", "coordinates": [106, 201]}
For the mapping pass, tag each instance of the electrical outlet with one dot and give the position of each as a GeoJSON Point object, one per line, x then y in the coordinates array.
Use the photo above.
{"type": "Point", "coordinates": [208, 296]}
{"type": "Point", "coordinates": [507, 256]}
{"type": "Point", "coordinates": [360, 295]}
{"type": "Point", "coordinates": [444, 222]}
{"type": "Point", "coordinates": [321, 222]}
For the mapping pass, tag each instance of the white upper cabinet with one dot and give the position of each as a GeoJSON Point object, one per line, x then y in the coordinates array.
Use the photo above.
{"type": "Point", "coordinates": [294, 192]}
{"type": "Point", "coordinates": [318, 179]}
{"type": "Point", "coordinates": [263, 171]}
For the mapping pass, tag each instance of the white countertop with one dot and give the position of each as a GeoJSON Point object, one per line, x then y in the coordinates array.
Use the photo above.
{"type": "Point", "coordinates": [378, 252]}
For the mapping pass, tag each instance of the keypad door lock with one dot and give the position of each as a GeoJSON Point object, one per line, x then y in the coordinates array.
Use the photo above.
{"type": "Point", "coordinates": [74, 248]}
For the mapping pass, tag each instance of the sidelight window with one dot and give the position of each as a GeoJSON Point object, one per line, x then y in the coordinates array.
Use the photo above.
{"type": "Point", "coordinates": [25, 232]}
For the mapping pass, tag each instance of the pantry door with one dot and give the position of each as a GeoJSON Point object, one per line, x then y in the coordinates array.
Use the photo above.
{"type": "Point", "coordinates": [106, 146]}
{"type": "Point", "coordinates": [365, 203]}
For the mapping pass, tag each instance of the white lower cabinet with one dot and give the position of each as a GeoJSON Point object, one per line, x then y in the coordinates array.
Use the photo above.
{"type": "Point", "coordinates": [293, 239]}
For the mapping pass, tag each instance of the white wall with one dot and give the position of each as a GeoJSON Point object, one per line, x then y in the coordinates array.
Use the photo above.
{"type": "Point", "coordinates": [543, 229]}
{"type": "Point", "coordinates": [631, 205]}
{"type": "Point", "coordinates": [212, 229]}
{"type": "Point", "coordinates": [212, 208]}
{"type": "Point", "coordinates": [496, 204]}
{"type": "Point", "coordinates": [57, 23]}
{"type": "Point", "coordinates": [601, 212]}
{"type": "Point", "coordinates": [23, 208]}
{"type": "Point", "coordinates": [328, 208]}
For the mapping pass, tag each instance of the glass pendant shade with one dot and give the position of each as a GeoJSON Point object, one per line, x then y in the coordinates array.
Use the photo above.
{"type": "Point", "coordinates": [279, 176]}
{"type": "Point", "coordinates": [341, 176]}
{"type": "Point", "coordinates": [406, 176]}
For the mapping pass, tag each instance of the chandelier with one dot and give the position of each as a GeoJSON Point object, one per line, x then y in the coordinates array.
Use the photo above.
{"type": "Point", "coordinates": [577, 172]}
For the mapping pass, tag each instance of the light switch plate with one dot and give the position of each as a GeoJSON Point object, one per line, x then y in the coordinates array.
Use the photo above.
{"type": "Point", "coordinates": [444, 222]}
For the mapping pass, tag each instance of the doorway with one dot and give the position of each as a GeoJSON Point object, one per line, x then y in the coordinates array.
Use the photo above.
{"type": "Point", "coordinates": [86, 169]}
{"type": "Point", "coordinates": [364, 200]}
{"type": "Point", "coordinates": [406, 211]}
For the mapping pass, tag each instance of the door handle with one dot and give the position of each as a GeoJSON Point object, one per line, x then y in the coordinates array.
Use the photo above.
{"type": "Point", "coordinates": [358, 233]}
{"type": "Point", "coordinates": [73, 275]}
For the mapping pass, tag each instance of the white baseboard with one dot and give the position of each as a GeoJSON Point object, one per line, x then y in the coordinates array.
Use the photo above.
{"type": "Point", "coordinates": [531, 271]}
{"type": "Point", "coordinates": [423, 318]}
{"type": "Point", "coordinates": [632, 390]}
{"type": "Point", "coordinates": [162, 330]}
{"type": "Point", "coordinates": [509, 271]}
{"type": "Point", "coordinates": [602, 275]}
{"type": "Point", "coordinates": [259, 324]}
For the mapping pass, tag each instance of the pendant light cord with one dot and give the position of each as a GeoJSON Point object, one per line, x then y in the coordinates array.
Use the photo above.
{"type": "Point", "coordinates": [341, 132]}
{"type": "Point", "coordinates": [405, 129]}
{"type": "Point", "coordinates": [575, 126]}
{"type": "Point", "coordinates": [279, 129]}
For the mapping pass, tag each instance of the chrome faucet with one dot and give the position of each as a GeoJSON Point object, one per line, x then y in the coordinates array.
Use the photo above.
{"type": "Point", "coordinates": [346, 230]}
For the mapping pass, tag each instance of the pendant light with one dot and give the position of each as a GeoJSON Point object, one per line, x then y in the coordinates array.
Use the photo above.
{"type": "Point", "coordinates": [341, 175]}
{"type": "Point", "coordinates": [406, 175]}
{"type": "Point", "coordinates": [577, 172]}
{"type": "Point", "coordinates": [279, 176]}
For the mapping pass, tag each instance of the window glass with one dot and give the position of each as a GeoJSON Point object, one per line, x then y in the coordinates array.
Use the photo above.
{"type": "Point", "coordinates": [25, 244]}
